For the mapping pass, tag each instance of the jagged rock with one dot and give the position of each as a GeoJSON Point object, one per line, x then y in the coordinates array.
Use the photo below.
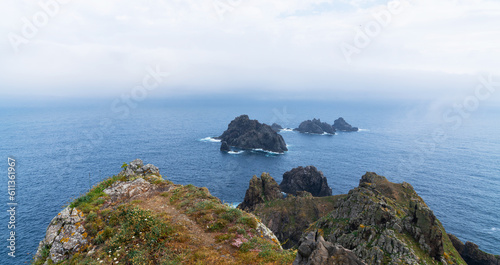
{"type": "Point", "coordinates": [471, 253]}
{"type": "Point", "coordinates": [127, 190]}
{"type": "Point", "coordinates": [316, 127]}
{"type": "Point", "coordinates": [65, 235]}
{"type": "Point", "coordinates": [341, 125]}
{"type": "Point", "coordinates": [276, 127]}
{"type": "Point", "coordinates": [260, 190]}
{"type": "Point", "coordinates": [137, 168]}
{"type": "Point", "coordinates": [314, 250]}
{"type": "Point", "coordinates": [383, 221]}
{"type": "Point", "coordinates": [251, 134]}
{"type": "Point", "coordinates": [305, 179]}
{"type": "Point", "coordinates": [224, 147]}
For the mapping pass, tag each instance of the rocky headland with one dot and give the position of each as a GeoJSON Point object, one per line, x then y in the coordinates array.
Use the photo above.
{"type": "Point", "coordinates": [244, 133]}
{"type": "Point", "coordinates": [137, 217]}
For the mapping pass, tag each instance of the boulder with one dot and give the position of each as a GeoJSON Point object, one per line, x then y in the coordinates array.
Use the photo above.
{"type": "Point", "coordinates": [471, 253]}
{"type": "Point", "coordinates": [315, 127]}
{"type": "Point", "coordinates": [314, 250]}
{"type": "Point", "coordinates": [276, 127]}
{"type": "Point", "coordinates": [305, 179]}
{"type": "Point", "coordinates": [260, 190]}
{"type": "Point", "coordinates": [224, 147]}
{"type": "Point", "coordinates": [244, 133]}
{"type": "Point", "coordinates": [341, 125]}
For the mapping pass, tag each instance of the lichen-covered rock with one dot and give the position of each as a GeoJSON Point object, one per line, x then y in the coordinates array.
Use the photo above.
{"type": "Point", "coordinates": [65, 236]}
{"type": "Point", "coordinates": [471, 253]}
{"type": "Point", "coordinates": [126, 190]}
{"type": "Point", "coordinates": [387, 223]}
{"type": "Point", "coordinates": [137, 168]}
{"type": "Point", "coordinates": [314, 250]}
{"type": "Point", "coordinates": [341, 125]}
{"type": "Point", "coordinates": [260, 190]}
{"type": "Point", "coordinates": [244, 133]}
{"type": "Point", "coordinates": [315, 126]}
{"type": "Point", "coordinates": [305, 179]}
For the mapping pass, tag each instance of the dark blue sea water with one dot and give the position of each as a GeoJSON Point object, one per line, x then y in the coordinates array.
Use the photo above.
{"type": "Point", "coordinates": [454, 164]}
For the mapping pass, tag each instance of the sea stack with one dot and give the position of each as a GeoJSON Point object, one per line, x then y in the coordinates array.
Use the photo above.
{"type": "Point", "coordinates": [244, 133]}
{"type": "Point", "coordinates": [305, 179]}
{"type": "Point", "coordinates": [341, 125]}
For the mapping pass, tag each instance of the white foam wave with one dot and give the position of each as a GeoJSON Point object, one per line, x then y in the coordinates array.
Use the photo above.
{"type": "Point", "coordinates": [210, 139]}
{"type": "Point", "coordinates": [266, 151]}
{"type": "Point", "coordinates": [235, 152]}
{"type": "Point", "coordinates": [287, 130]}
{"type": "Point", "coordinates": [363, 130]}
{"type": "Point", "coordinates": [494, 229]}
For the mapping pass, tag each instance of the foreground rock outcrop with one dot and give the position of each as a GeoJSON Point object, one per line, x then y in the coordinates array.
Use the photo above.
{"type": "Point", "coordinates": [471, 253]}
{"type": "Point", "coordinates": [244, 133]}
{"type": "Point", "coordinates": [315, 126]}
{"type": "Point", "coordinates": [260, 190]}
{"type": "Point", "coordinates": [137, 217]}
{"type": "Point", "coordinates": [384, 222]}
{"type": "Point", "coordinates": [307, 179]}
{"type": "Point", "coordinates": [314, 250]}
{"type": "Point", "coordinates": [341, 125]}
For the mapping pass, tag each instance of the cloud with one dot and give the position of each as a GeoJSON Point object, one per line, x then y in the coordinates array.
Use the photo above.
{"type": "Point", "coordinates": [287, 48]}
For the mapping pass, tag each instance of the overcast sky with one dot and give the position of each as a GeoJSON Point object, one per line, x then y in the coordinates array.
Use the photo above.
{"type": "Point", "coordinates": [338, 49]}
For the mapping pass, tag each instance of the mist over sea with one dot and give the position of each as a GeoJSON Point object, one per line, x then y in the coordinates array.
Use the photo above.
{"type": "Point", "coordinates": [452, 161]}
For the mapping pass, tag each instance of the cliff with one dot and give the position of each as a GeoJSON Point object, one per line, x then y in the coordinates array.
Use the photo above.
{"type": "Point", "coordinates": [137, 217]}
{"type": "Point", "coordinates": [379, 221]}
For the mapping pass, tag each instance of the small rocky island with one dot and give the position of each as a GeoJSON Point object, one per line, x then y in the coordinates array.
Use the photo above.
{"type": "Point", "coordinates": [244, 133]}
{"type": "Point", "coordinates": [315, 126]}
{"type": "Point", "coordinates": [341, 125]}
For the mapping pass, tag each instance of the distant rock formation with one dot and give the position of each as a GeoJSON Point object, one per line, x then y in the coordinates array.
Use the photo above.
{"type": "Point", "coordinates": [341, 125]}
{"type": "Point", "coordinates": [471, 253]}
{"type": "Point", "coordinates": [260, 190]}
{"type": "Point", "coordinates": [244, 133]}
{"type": "Point", "coordinates": [314, 250]}
{"type": "Point", "coordinates": [315, 127]}
{"type": "Point", "coordinates": [305, 179]}
{"type": "Point", "coordinates": [276, 127]}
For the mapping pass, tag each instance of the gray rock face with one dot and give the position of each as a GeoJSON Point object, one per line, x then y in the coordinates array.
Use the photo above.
{"type": "Point", "coordinates": [314, 250]}
{"type": "Point", "coordinates": [341, 125]}
{"type": "Point", "coordinates": [377, 219]}
{"type": "Point", "coordinates": [305, 179]}
{"type": "Point", "coordinates": [65, 235]}
{"type": "Point", "coordinates": [137, 168]}
{"type": "Point", "coordinates": [244, 133]}
{"type": "Point", "coordinates": [471, 253]}
{"type": "Point", "coordinates": [128, 190]}
{"type": "Point", "coordinates": [260, 190]}
{"type": "Point", "coordinates": [315, 127]}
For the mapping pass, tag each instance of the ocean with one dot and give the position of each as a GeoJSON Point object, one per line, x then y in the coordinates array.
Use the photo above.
{"type": "Point", "coordinates": [452, 160]}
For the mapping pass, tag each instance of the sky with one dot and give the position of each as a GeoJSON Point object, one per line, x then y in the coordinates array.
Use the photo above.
{"type": "Point", "coordinates": [283, 49]}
